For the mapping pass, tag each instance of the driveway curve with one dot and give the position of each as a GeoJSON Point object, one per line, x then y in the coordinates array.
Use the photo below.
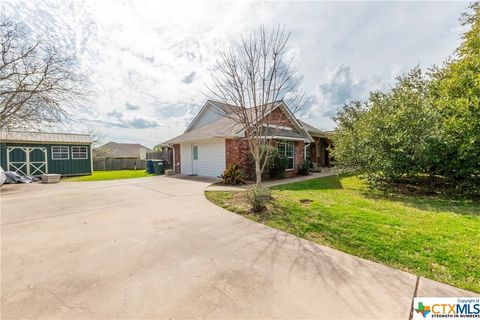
{"type": "Point", "coordinates": [156, 248]}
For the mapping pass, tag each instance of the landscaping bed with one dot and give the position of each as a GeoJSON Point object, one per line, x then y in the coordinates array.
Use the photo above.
{"type": "Point", "coordinates": [434, 237]}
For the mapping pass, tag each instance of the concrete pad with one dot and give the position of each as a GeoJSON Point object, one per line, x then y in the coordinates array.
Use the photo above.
{"type": "Point", "coordinates": [430, 288]}
{"type": "Point", "coordinates": [156, 248]}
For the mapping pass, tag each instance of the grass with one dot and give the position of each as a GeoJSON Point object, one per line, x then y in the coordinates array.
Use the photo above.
{"type": "Point", "coordinates": [428, 236]}
{"type": "Point", "coordinates": [111, 175]}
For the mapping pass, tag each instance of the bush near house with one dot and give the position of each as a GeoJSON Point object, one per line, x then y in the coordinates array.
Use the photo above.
{"type": "Point", "coordinates": [233, 175]}
{"type": "Point", "coordinates": [258, 198]}
{"type": "Point", "coordinates": [305, 168]}
{"type": "Point", "coordinates": [275, 166]}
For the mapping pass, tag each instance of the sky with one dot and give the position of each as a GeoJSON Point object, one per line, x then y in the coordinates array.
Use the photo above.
{"type": "Point", "coordinates": [149, 62]}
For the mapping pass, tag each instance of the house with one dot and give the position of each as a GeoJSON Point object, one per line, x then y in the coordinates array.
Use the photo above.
{"type": "Point", "coordinates": [120, 156]}
{"type": "Point", "coordinates": [213, 141]}
{"type": "Point", "coordinates": [115, 150]}
{"type": "Point", "coordinates": [36, 153]}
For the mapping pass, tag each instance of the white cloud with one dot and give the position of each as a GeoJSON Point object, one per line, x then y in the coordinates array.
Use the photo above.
{"type": "Point", "coordinates": [157, 56]}
{"type": "Point", "coordinates": [339, 88]}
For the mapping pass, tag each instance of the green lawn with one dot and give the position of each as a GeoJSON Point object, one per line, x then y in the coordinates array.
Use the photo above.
{"type": "Point", "coordinates": [111, 175]}
{"type": "Point", "coordinates": [432, 237]}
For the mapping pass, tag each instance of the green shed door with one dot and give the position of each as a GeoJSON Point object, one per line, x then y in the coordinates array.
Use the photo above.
{"type": "Point", "coordinates": [37, 160]}
{"type": "Point", "coordinates": [27, 160]}
{"type": "Point", "coordinates": [17, 159]}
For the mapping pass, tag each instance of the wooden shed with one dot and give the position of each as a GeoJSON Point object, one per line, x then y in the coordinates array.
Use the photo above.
{"type": "Point", "coordinates": [36, 153]}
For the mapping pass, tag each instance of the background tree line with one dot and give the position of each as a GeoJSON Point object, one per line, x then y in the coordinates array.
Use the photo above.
{"type": "Point", "coordinates": [425, 129]}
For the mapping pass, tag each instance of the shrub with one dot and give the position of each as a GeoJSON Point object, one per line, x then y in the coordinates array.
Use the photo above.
{"type": "Point", "coordinates": [305, 168]}
{"type": "Point", "coordinates": [277, 166]}
{"type": "Point", "coordinates": [233, 175]}
{"type": "Point", "coordinates": [258, 198]}
{"type": "Point", "coordinates": [274, 168]}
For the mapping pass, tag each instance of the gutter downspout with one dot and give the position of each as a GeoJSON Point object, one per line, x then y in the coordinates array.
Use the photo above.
{"type": "Point", "coordinates": [305, 150]}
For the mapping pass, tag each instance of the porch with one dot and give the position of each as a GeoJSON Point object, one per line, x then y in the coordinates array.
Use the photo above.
{"type": "Point", "coordinates": [318, 152]}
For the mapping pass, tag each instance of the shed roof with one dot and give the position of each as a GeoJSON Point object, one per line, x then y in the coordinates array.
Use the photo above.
{"type": "Point", "coordinates": [44, 137]}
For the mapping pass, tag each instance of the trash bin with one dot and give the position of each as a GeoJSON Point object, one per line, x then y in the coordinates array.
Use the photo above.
{"type": "Point", "coordinates": [159, 167]}
{"type": "Point", "coordinates": [150, 166]}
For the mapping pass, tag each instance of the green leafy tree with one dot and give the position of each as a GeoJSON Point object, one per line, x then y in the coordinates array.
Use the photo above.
{"type": "Point", "coordinates": [456, 94]}
{"type": "Point", "coordinates": [426, 125]}
{"type": "Point", "coordinates": [393, 135]}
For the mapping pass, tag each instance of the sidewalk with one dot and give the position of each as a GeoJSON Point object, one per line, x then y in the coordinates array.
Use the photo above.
{"type": "Point", "coordinates": [325, 172]}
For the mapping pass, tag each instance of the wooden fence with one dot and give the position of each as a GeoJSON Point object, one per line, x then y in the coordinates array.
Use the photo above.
{"type": "Point", "coordinates": [166, 156]}
{"type": "Point", "coordinates": [118, 164]}
{"type": "Point", "coordinates": [132, 163]}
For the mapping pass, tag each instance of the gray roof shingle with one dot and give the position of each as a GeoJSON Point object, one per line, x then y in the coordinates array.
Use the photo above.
{"type": "Point", "coordinates": [122, 150]}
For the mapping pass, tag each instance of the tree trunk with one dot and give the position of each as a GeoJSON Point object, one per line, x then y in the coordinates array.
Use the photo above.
{"type": "Point", "coordinates": [258, 173]}
{"type": "Point", "coordinates": [258, 166]}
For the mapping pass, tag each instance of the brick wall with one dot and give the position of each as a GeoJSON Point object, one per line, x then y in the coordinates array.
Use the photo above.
{"type": "Point", "coordinates": [299, 157]}
{"type": "Point", "coordinates": [176, 148]}
{"type": "Point", "coordinates": [237, 151]}
{"type": "Point", "coordinates": [277, 117]}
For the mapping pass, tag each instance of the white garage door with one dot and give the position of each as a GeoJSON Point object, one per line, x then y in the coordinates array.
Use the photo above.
{"type": "Point", "coordinates": [204, 158]}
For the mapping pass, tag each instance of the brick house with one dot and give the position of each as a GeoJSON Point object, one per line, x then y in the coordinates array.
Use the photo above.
{"type": "Point", "coordinates": [212, 142]}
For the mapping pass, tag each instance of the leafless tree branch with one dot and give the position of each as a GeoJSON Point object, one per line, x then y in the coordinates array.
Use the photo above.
{"type": "Point", "coordinates": [252, 78]}
{"type": "Point", "coordinates": [38, 82]}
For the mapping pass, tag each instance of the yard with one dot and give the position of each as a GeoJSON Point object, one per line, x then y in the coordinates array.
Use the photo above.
{"type": "Point", "coordinates": [111, 175]}
{"type": "Point", "coordinates": [432, 237]}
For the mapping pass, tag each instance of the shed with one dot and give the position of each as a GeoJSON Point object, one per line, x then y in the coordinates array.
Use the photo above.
{"type": "Point", "coordinates": [36, 153]}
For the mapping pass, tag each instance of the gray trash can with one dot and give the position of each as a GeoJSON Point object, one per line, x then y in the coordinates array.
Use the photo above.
{"type": "Point", "coordinates": [159, 167]}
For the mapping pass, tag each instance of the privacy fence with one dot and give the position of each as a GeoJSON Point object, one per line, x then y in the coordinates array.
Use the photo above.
{"type": "Point", "coordinates": [133, 163]}
{"type": "Point", "coordinates": [118, 164]}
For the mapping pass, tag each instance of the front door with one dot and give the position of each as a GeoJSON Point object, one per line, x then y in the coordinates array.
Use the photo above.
{"type": "Point", "coordinates": [194, 159]}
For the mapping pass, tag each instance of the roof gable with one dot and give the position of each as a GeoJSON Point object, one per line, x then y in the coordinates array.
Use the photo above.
{"type": "Point", "coordinates": [210, 112]}
{"type": "Point", "coordinates": [290, 117]}
{"type": "Point", "coordinates": [122, 150]}
{"type": "Point", "coordinates": [210, 123]}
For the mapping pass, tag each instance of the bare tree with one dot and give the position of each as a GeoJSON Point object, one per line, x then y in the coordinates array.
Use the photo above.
{"type": "Point", "coordinates": [252, 78]}
{"type": "Point", "coordinates": [98, 139]}
{"type": "Point", "coordinates": [38, 82]}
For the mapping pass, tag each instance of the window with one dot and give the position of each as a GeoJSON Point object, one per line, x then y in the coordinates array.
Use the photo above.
{"type": "Point", "coordinates": [60, 153]}
{"type": "Point", "coordinates": [286, 149]}
{"type": "Point", "coordinates": [79, 152]}
{"type": "Point", "coordinates": [195, 152]}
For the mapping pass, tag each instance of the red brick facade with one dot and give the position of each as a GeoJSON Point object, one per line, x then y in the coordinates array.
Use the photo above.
{"type": "Point", "coordinates": [237, 151]}
{"type": "Point", "coordinates": [299, 157]}
{"type": "Point", "coordinates": [277, 117]}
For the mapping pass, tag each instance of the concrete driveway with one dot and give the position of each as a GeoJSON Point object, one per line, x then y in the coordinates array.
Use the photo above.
{"type": "Point", "coordinates": [156, 248]}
